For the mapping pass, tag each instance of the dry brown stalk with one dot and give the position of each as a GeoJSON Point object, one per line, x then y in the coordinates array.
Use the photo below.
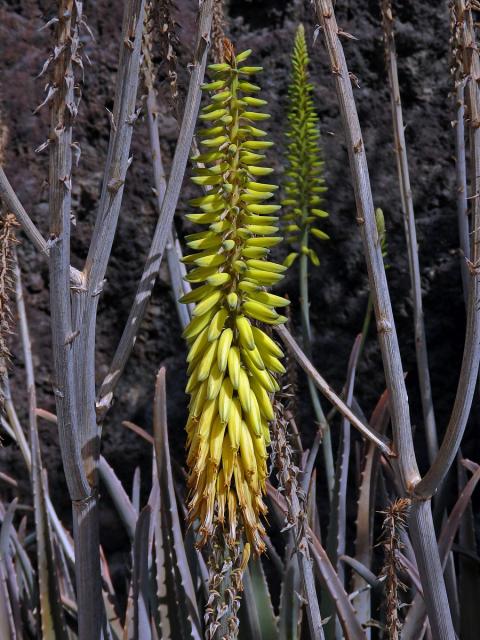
{"type": "Point", "coordinates": [227, 563]}
{"type": "Point", "coordinates": [168, 45]}
{"type": "Point", "coordinates": [218, 33]}
{"type": "Point", "coordinates": [283, 458]}
{"type": "Point", "coordinates": [173, 249]}
{"type": "Point", "coordinates": [3, 140]}
{"type": "Point", "coordinates": [394, 523]}
{"type": "Point", "coordinates": [7, 243]}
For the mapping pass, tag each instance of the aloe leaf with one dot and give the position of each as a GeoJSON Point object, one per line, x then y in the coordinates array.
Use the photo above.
{"type": "Point", "coordinates": [51, 612]}
{"type": "Point", "coordinates": [249, 611]}
{"type": "Point", "coordinates": [196, 562]}
{"type": "Point", "coordinates": [469, 569]}
{"type": "Point", "coordinates": [24, 565]}
{"type": "Point", "coordinates": [112, 618]}
{"type": "Point", "coordinates": [261, 593]}
{"type": "Point", "coordinates": [450, 527]}
{"type": "Point", "coordinates": [136, 489]}
{"type": "Point", "coordinates": [352, 628]}
{"type": "Point", "coordinates": [119, 496]}
{"type": "Point", "coordinates": [368, 576]}
{"type": "Point", "coordinates": [175, 553]}
{"type": "Point", "coordinates": [365, 514]}
{"type": "Point", "coordinates": [141, 596]}
{"type": "Point", "coordinates": [290, 604]}
{"type": "Point", "coordinates": [128, 627]}
{"type": "Point", "coordinates": [65, 575]}
{"type": "Point", "coordinates": [15, 598]}
{"type": "Point", "coordinates": [416, 615]}
{"type": "Point", "coordinates": [9, 593]}
{"type": "Point", "coordinates": [129, 518]}
{"type": "Point", "coordinates": [19, 569]}
{"type": "Point", "coordinates": [336, 539]}
{"type": "Point", "coordinates": [273, 557]}
{"type": "Point", "coordinates": [7, 625]}
{"type": "Point", "coordinates": [166, 601]}
{"type": "Point", "coordinates": [313, 518]}
{"type": "Point", "coordinates": [5, 531]}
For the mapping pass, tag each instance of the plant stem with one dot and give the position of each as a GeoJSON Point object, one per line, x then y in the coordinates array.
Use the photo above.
{"type": "Point", "coordinates": [167, 211]}
{"type": "Point", "coordinates": [83, 497]}
{"type": "Point", "coordinates": [421, 524]}
{"type": "Point", "coordinates": [13, 204]}
{"type": "Point", "coordinates": [461, 175]}
{"type": "Point", "coordinates": [471, 353]}
{"type": "Point", "coordinates": [116, 166]}
{"type": "Point", "coordinates": [307, 345]}
{"type": "Point", "coordinates": [460, 80]}
{"type": "Point", "coordinates": [410, 231]}
{"type": "Point", "coordinates": [173, 249]}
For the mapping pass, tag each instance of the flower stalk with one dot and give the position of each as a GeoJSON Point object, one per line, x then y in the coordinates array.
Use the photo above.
{"type": "Point", "coordinates": [304, 186]}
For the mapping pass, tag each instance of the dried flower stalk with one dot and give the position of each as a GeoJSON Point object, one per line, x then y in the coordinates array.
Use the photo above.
{"type": "Point", "coordinates": [283, 458]}
{"type": "Point", "coordinates": [8, 224]}
{"type": "Point", "coordinates": [218, 33]}
{"type": "Point", "coordinates": [168, 46]}
{"type": "Point", "coordinates": [227, 563]}
{"type": "Point", "coordinates": [394, 523]}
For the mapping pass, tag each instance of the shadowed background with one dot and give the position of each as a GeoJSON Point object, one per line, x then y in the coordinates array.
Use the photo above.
{"type": "Point", "coordinates": [339, 287]}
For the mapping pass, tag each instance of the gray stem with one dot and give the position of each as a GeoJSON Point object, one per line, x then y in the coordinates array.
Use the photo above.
{"type": "Point", "coordinates": [86, 305]}
{"type": "Point", "coordinates": [461, 175]}
{"type": "Point", "coordinates": [63, 108]}
{"type": "Point", "coordinates": [176, 268]}
{"type": "Point", "coordinates": [425, 546]}
{"type": "Point", "coordinates": [13, 204]}
{"type": "Point", "coordinates": [471, 353]}
{"type": "Point", "coordinates": [410, 231]}
{"type": "Point", "coordinates": [169, 203]}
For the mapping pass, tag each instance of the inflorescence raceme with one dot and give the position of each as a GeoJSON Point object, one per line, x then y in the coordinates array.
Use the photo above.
{"type": "Point", "coordinates": [304, 183]}
{"type": "Point", "coordinates": [232, 362]}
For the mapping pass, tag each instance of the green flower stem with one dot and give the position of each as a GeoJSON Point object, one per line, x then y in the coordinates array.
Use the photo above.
{"type": "Point", "coordinates": [365, 329]}
{"type": "Point", "coordinates": [303, 189]}
{"type": "Point", "coordinates": [366, 324]}
{"type": "Point", "coordinates": [307, 343]}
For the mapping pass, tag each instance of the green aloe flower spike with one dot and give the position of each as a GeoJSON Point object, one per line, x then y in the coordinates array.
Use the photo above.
{"type": "Point", "coordinates": [232, 362]}
{"type": "Point", "coordinates": [382, 233]}
{"type": "Point", "coordinates": [303, 188]}
{"type": "Point", "coordinates": [304, 184]}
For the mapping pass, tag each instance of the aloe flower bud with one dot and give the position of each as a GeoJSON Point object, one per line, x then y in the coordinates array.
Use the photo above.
{"type": "Point", "coordinates": [304, 184]}
{"type": "Point", "coordinates": [232, 362]}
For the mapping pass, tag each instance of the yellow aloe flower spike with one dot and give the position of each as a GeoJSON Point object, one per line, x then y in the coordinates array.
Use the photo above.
{"type": "Point", "coordinates": [232, 361]}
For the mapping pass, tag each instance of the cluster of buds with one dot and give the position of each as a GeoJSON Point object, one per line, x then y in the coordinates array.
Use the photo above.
{"type": "Point", "coordinates": [304, 183]}
{"type": "Point", "coordinates": [232, 362]}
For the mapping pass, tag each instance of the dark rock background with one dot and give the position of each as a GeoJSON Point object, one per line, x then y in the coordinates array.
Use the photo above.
{"type": "Point", "coordinates": [339, 287]}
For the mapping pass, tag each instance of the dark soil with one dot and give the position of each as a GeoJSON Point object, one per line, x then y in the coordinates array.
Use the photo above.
{"type": "Point", "coordinates": [339, 288]}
